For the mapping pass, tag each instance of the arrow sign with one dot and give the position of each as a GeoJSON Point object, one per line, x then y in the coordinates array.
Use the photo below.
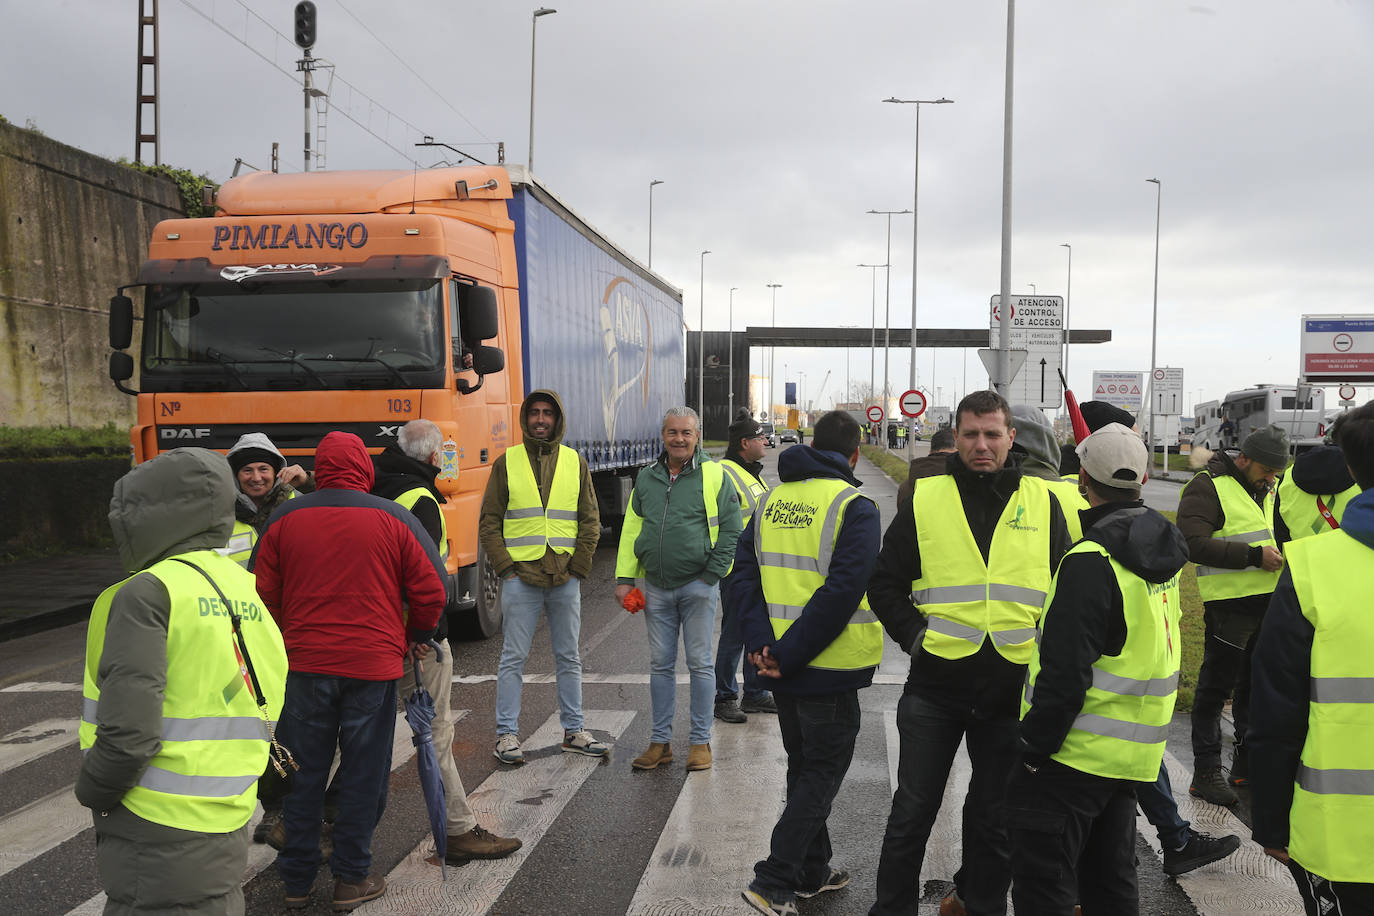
{"type": "Point", "coordinates": [1042, 378]}
{"type": "Point", "coordinates": [913, 403]}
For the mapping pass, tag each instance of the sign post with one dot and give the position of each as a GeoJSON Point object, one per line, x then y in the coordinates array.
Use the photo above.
{"type": "Point", "coordinates": [1120, 389]}
{"type": "Point", "coordinates": [1037, 328]}
{"type": "Point", "coordinates": [1337, 349]}
{"type": "Point", "coordinates": [913, 403]}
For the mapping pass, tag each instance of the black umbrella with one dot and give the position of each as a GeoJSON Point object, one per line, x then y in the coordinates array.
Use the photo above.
{"type": "Point", "coordinates": [419, 711]}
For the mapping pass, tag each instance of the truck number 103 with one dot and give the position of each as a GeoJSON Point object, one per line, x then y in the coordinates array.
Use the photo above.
{"type": "Point", "coordinates": [398, 405]}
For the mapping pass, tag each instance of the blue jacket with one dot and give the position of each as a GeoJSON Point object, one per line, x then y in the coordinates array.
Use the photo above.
{"type": "Point", "coordinates": [831, 606]}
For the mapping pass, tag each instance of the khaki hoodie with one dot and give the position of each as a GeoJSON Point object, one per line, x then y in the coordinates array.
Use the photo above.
{"type": "Point", "coordinates": [553, 568]}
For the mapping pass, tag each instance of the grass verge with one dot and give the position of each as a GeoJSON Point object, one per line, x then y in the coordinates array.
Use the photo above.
{"type": "Point", "coordinates": [18, 442]}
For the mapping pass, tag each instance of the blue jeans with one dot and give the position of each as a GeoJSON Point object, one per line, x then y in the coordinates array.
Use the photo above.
{"type": "Point", "coordinates": [521, 607]}
{"type": "Point", "coordinates": [729, 651]}
{"type": "Point", "coordinates": [931, 728]}
{"type": "Point", "coordinates": [690, 608]}
{"type": "Point", "coordinates": [1156, 801]}
{"type": "Point", "coordinates": [818, 733]}
{"type": "Point", "coordinates": [360, 718]}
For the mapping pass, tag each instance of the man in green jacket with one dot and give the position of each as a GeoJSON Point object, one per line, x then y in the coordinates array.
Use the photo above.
{"type": "Point", "coordinates": [679, 536]}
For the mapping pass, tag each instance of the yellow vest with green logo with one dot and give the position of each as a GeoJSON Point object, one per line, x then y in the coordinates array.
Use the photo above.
{"type": "Point", "coordinates": [1071, 501]}
{"type": "Point", "coordinates": [1121, 728]}
{"type": "Point", "coordinates": [1332, 818]}
{"type": "Point", "coordinates": [530, 527]}
{"type": "Point", "coordinates": [240, 546]}
{"type": "Point", "coordinates": [794, 539]}
{"type": "Point", "coordinates": [1246, 522]}
{"type": "Point", "coordinates": [214, 741]}
{"type": "Point", "coordinates": [966, 600]}
{"type": "Point", "coordinates": [409, 498]}
{"type": "Point", "coordinates": [1299, 510]}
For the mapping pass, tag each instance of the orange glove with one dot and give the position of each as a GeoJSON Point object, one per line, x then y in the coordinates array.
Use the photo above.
{"type": "Point", "coordinates": [634, 601]}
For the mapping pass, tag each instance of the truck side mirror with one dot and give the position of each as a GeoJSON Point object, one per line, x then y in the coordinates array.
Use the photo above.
{"type": "Point", "coordinates": [488, 360]}
{"type": "Point", "coordinates": [122, 326]}
{"type": "Point", "coordinates": [480, 319]}
{"type": "Point", "coordinates": [122, 369]}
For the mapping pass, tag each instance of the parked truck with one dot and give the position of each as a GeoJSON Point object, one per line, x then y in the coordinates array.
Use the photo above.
{"type": "Point", "coordinates": [359, 301]}
{"type": "Point", "coordinates": [1301, 412]}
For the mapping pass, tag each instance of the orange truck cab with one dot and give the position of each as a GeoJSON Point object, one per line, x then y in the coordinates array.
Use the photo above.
{"type": "Point", "coordinates": [353, 300]}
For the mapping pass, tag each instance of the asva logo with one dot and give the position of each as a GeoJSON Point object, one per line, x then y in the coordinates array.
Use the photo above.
{"type": "Point", "coordinates": [626, 341]}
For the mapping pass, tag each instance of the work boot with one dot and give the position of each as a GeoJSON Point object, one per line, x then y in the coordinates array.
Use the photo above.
{"type": "Point", "coordinates": [728, 710]}
{"type": "Point", "coordinates": [349, 894]}
{"type": "Point", "coordinates": [270, 818]}
{"type": "Point", "coordinates": [657, 755]}
{"type": "Point", "coordinates": [1210, 785]}
{"type": "Point", "coordinates": [761, 703]}
{"type": "Point", "coordinates": [1200, 850]}
{"type": "Point", "coordinates": [1240, 767]}
{"type": "Point", "coordinates": [479, 843]}
{"type": "Point", "coordinates": [699, 757]}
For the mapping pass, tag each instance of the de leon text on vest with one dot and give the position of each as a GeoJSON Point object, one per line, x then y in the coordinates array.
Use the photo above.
{"type": "Point", "coordinates": [790, 513]}
{"type": "Point", "coordinates": [213, 607]}
{"type": "Point", "coordinates": [274, 235]}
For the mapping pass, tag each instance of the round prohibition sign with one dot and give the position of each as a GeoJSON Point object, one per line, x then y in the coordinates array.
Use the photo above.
{"type": "Point", "coordinates": [1347, 392]}
{"type": "Point", "coordinates": [875, 413]}
{"type": "Point", "coordinates": [913, 403]}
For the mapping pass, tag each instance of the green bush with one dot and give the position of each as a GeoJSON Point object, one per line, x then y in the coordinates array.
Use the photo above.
{"type": "Point", "coordinates": [62, 441]}
{"type": "Point", "coordinates": [188, 183]}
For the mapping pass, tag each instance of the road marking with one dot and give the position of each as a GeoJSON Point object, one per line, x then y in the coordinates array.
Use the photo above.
{"type": "Point", "coordinates": [41, 687]}
{"type": "Point", "coordinates": [39, 826]}
{"type": "Point", "coordinates": [18, 748]}
{"type": "Point", "coordinates": [523, 802]}
{"type": "Point", "coordinates": [881, 680]}
{"type": "Point", "coordinates": [720, 825]}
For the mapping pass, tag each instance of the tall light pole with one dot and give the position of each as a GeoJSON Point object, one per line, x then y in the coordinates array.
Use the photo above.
{"type": "Point", "coordinates": [1032, 286]}
{"type": "Point", "coordinates": [887, 306]}
{"type": "Point", "coordinates": [772, 351]}
{"type": "Point", "coordinates": [730, 347]}
{"type": "Point", "coordinates": [701, 345]}
{"type": "Point", "coordinates": [1154, 330]}
{"type": "Point", "coordinates": [915, 220]}
{"type": "Point", "coordinates": [1068, 293]}
{"type": "Point", "coordinates": [534, 21]}
{"type": "Point", "coordinates": [873, 338]}
{"type": "Point", "coordinates": [801, 395]}
{"type": "Point", "coordinates": [1001, 379]}
{"type": "Point", "coordinates": [651, 220]}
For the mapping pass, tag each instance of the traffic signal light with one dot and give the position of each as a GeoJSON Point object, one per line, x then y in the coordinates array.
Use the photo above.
{"type": "Point", "coordinates": [305, 24]}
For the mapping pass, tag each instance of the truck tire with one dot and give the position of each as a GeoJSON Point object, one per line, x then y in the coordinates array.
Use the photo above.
{"type": "Point", "coordinates": [484, 620]}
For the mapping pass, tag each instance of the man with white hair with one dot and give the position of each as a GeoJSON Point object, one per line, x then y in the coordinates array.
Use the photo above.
{"type": "Point", "coordinates": [680, 548]}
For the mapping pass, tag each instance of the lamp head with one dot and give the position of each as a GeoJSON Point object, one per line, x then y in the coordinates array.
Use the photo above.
{"type": "Point", "coordinates": [543, 11]}
{"type": "Point", "coordinates": [655, 181]}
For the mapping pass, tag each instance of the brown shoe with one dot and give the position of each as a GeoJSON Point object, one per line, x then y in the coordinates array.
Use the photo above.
{"type": "Point", "coordinates": [349, 894]}
{"type": "Point", "coordinates": [953, 905]}
{"type": "Point", "coordinates": [479, 843]}
{"type": "Point", "coordinates": [657, 755]}
{"type": "Point", "coordinates": [699, 757]}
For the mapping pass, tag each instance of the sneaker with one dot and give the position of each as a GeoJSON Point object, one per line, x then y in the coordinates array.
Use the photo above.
{"type": "Point", "coordinates": [728, 710]}
{"type": "Point", "coordinates": [508, 750]}
{"type": "Point", "coordinates": [657, 755]}
{"type": "Point", "coordinates": [838, 879]}
{"type": "Point", "coordinates": [1210, 786]}
{"type": "Point", "coordinates": [582, 742]}
{"type": "Point", "coordinates": [479, 843]}
{"type": "Point", "coordinates": [1240, 767]}
{"type": "Point", "coordinates": [761, 703]}
{"type": "Point", "coordinates": [349, 894]}
{"type": "Point", "coordinates": [1200, 850]}
{"type": "Point", "coordinates": [270, 818]}
{"type": "Point", "coordinates": [699, 757]}
{"type": "Point", "coordinates": [775, 907]}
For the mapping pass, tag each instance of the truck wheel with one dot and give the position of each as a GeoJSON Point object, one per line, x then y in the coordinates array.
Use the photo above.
{"type": "Point", "coordinates": [484, 620]}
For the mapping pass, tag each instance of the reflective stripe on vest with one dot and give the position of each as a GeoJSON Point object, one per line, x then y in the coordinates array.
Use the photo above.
{"type": "Point", "coordinates": [214, 741]}
{"type": "Point", "coordinates": [530, 527]}
{"type": "Point", "coordinates": [1120, 729]}
{"type": "Point", "coordinates": [1245, 522]}
{"type": "Point", "coordinates": [240, 546]}
{"type": "Point", "coordinates": [1332, 817]}
{"type": "Point", "coordinates": [965, 599]}
{"type": "Point", "coordinates": [1300, 512]}
{"type": "Point", "coordinates": [749, 488]}
{"type": "Point", "coordinates": [794, 540]}
{"type": "Point", "coordinates": [409, 498]}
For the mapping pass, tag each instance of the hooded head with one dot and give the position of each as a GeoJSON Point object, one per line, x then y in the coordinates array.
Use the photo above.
{"type": "Point", "coordinates": [553, 434]}
{"type": "Point", "coordinates": [1035, 438]}
{"type": "Point", "coordinates": [181, 500]}
{"type": "Point", "coordinates": [1098, 414]}
{"type": "Point", "coordinates": [342, 463]}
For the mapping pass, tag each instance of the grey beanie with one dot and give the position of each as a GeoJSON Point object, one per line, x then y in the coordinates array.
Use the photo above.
{"type": "Point", "coordinates": [1268, 445]}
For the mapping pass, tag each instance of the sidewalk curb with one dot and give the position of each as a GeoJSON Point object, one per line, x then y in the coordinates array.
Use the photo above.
{"type": "Point", "coordinates": [46, 620]}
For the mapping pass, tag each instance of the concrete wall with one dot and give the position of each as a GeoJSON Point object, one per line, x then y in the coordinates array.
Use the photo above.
{"type": "Point", "coordinates": [72, 228]}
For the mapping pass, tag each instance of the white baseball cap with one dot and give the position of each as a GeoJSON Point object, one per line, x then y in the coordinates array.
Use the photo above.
{"type": "Point", "coordinates": [1114, 456]}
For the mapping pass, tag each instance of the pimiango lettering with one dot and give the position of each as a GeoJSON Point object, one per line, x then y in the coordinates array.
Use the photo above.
{"type": "Point", "coordinates": [213, 607]}
{"type": "Point", "coordinates": [787, 513]}
{"type": "Point", "coordinates": [244, 237]}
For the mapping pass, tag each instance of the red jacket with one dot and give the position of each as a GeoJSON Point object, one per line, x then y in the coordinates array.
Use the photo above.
{"type": "Point", "coordinates": [338, 567]}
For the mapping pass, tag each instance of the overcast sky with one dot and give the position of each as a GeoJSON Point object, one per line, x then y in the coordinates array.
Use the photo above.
{"type": "Point", "coordinates": [765, 123]}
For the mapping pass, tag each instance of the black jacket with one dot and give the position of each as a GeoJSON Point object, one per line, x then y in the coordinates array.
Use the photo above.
{"type": "Point", "coordinates": [985, 681]}
{"type": "Point", "coordinates": [1087, 619]}
{"type": "Point", "coordinates": [395, 473]}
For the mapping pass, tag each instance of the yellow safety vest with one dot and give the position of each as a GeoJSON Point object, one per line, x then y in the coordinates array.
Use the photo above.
{"type": "Point", "coordinates": [627, 563]}
{"type": "Point", "coordinates": [530, 527]}
{"type": "Point", "coordinates": [214, 741]}
{"type": "Point", "coordinates": [1121, 728]}
{"type": "Point", "coordinates": [1246, 522]}
{"type": "Point", "coordinates": [963, 598]}
{"type": "Point", "coordinates": [794, 540]}
{"type": "Point", "coordinates": [1071, 501]}
{"type": "Point", "coordinates": [1300, 512]}
{"type": "Point", "coordinates": [409, 498]}
{"type": "Point", "coordinates": [1332, 819]}
{"type": "Point", "coordinates": [749, 487]}
{"type": "Point", "coordinates": [240, 546]}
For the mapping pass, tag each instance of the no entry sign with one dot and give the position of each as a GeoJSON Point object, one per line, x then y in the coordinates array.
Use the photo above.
{"type": "Point", "coordinates": [913, 403]}
{"type": "Point", "coordinates": [875, 413]}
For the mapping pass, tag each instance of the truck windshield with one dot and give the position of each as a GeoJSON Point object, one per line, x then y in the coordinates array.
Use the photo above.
{"type": "Point", "coordinates": [368, 334]}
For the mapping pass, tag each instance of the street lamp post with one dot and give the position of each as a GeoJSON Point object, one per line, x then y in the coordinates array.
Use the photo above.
{"type": "Point", "coordinates": [887, 301]}
{"type": "Point", "coordinates": [651, 220]}
{"type": "Point", "coordinates": [730, 372]}
{"type": "Point", "coordinates": [801, 396]}
{"type": "Point", "coordinates": [534, 22]}
{"type": "Point", "coordinates": [701, 344]}
{"type": "Point", "coordinates": [873, 338]}
{"type": "Point", "coordinates": [916, 219]}
{"type": "Point", "coordinates": [1068, 293]}
{"type": "Point", "coordinates": [1154, 330]}
{"type": "Point", "coordinates": [772, 351]}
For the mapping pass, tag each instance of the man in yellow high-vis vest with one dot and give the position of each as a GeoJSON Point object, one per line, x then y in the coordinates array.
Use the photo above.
{"type": "Point", "coordinates": [540, 526]}
{"type": "Point", "coordinates": [1312, 726]}
{"type": "Point", "coordinates": [959, 584]}
{"type": "Point", "coordinates": [800, 571]}
{"type": "Point", "coordinates": [1312, 494]}
{"type": "Point", "coordinates": [1099, 694]}
{"type": "Point", "coordinates": [171, 726]}
{"type": "Point", "coordinates": [1227, 514]}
